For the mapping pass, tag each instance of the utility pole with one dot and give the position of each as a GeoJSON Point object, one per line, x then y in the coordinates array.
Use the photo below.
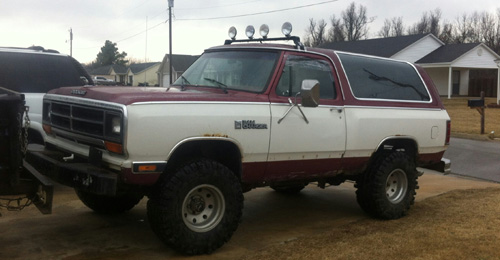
{"type": "Point", "coordinates": [146, 51]}
{"type": "Point", "coordinates": [170, 5]}
{"type": "Point", "coordinates": [71, 42]}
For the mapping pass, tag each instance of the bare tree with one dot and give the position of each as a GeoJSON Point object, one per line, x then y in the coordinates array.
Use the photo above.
{"type": "Point", "coordinates": [398, 26]}
{"type": "Point", "coordinates": [392, 27]}
{"type": "Point", "coordinates": [355, 21]}
{"type": "Point", "coordinates": [461, 29]}
{"type": "Point", "coordinates": [336, 32]}
{"type": "Point", "coordinates": [316, 33]}
{"type": "Point", "coordinates": [446, 35]}
{"type": "Point", "coordinates": [429, 23]}
{"type": "Point", "coordinates": [385, 31]}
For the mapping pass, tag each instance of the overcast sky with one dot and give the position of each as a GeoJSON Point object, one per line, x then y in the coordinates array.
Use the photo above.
{"type": "Point", "coordinates": [46, 23]}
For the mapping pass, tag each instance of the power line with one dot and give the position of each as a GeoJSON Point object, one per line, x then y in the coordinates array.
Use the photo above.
{"type": "Point", "coordinates": [217, 6]}
{"type": "Point", "coordinates": [129, 37]}
{"type": "Point", "coordinates": [252, 14]}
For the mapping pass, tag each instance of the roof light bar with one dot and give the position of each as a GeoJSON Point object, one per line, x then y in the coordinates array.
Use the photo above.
{"type": "Point", "coordinates": [286, 29]}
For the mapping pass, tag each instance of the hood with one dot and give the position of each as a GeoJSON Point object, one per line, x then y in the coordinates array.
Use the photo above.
{"type": "Point", "coordinates": [130, 95]}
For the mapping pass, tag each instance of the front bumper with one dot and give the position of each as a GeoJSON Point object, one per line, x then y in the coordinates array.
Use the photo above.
{"type": "Point", "coordinates": [79, 175]}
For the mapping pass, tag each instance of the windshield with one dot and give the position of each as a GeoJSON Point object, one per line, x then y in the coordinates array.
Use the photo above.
{"type": "Point", "coordinates": [236, 70]}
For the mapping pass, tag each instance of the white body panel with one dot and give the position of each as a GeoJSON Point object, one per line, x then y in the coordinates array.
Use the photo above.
{"type": "Point", "coordinates": [156, 128]}
{"type": "Point", "coordinates": [367, 127]}
{"type": "Point", "coordinates": [295, 139]}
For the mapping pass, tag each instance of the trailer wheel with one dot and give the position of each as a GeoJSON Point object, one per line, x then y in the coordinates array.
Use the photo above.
{"type": "Point", "coordinates": [198, 208]}
{"type": "Point", "coordinates": [389, 188]}
{"type": "Point", "coordinates": [109, 204]}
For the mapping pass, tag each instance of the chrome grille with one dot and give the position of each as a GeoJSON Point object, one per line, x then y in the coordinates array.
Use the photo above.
{"type": "Point", "coordinates": [81, 119]}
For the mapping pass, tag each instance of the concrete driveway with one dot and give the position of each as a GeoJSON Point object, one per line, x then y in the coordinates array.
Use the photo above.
{"type": "Point", "coordinates": [75, 232]}
{"type": "Point", "coordinates": [479, 159]}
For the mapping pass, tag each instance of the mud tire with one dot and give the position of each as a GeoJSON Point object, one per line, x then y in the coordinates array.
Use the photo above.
{"type": "Point", "coordinates": [198, 208]}
{"type": "Point", "coordinates": [388, 188]}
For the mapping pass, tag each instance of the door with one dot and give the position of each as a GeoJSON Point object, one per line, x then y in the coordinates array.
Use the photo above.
{"type": "Point", "coordinates": [311, 143]}
{"type": "Point", "coordinates": [456, 83]}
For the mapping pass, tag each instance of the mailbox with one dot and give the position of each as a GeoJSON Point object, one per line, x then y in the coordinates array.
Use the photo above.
{"type": "Point", "coordinates": [476, 103]}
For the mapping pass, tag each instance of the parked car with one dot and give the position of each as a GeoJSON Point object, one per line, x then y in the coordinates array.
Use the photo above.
{"type": "Point", "coordinates": [34, 71]}
{"type": "Point", "coordinates": [98, 80]}
{"type": "Point", "coordinates": [247, 115]}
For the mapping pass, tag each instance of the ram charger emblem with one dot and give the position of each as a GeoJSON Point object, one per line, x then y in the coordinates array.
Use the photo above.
{"type": "Point", "coordinates": [78, 92]}
{"type": "Point", "coordinates": [248, 124]}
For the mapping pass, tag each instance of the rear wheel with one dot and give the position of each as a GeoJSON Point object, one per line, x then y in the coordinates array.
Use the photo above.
{"type": "Point", "coordinates": [198, 208]}
{"type": "Point", "coordinates": [109, 204]}
{"type": "Point", "coordinates": [388, 189]}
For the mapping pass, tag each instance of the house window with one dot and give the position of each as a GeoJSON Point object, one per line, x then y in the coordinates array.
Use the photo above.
{"type": "Point", "coordinates": [130, 80]}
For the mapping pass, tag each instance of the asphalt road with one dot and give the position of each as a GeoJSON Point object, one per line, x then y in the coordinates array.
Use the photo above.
{"type": "Point", "coordinates": [478, 159]}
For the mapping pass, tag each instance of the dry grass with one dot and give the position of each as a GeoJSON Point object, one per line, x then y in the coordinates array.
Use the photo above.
{"type": "Point", "coordinates": [465, 120]}
{"type": "Point", "coordinates": [456, 225]}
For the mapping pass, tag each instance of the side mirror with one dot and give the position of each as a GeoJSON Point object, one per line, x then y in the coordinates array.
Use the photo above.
{"type": "Point", "coordinates": [309, 92]}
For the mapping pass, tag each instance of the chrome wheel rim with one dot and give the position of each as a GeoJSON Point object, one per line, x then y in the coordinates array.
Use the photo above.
{"type": "Point", "coordinates": [396, 186]}
{"type": "Point", "coordinates": [203, 208]}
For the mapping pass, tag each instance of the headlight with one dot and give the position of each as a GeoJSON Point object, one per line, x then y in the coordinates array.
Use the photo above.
{"type": "Point", "coordinates": [116, 125]}
{"type": "Point", "coordinates": [113, 125]}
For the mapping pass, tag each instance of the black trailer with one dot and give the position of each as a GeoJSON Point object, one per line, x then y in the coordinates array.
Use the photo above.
{"type": "Point", "coordinates": [20, 184]}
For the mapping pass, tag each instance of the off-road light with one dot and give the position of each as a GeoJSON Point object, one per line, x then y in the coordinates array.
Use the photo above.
{"type": "Point", "coordinates": [264, 30]}
{"type": "Point", "coordinates": [232, 33]}
{"type": "Point", "coordinates": [249, 31]}
{"type": "Point", "coordinates": [286, 29]}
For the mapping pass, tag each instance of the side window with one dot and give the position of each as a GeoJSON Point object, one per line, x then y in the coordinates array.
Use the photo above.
{"type": "Point", "coordinates": [374, 78]}
{"type": "Point", "coordinates": [298, 68]}
{"type": "Point", "coordinates": [37, 73]}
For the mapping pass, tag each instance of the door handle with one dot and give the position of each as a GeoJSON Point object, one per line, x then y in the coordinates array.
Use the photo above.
{"type": "Point", "coordinates": [339, 109]}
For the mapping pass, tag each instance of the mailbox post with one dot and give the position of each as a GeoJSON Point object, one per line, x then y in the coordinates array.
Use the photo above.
{"type": "Point", "coordinates": [478, 104]}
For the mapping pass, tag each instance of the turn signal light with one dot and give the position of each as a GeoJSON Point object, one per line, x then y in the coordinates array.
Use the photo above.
{"type": "Point", "coordinates": [114, 147]}
{"type": "Point", "coordinates": [47, 129]}
{"type": "Point", "coordinates": [147, 168]}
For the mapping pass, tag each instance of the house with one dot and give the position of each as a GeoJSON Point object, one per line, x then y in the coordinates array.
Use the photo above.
{"type": "Point", "coordinates": [449, 65]}
{"type": "Point", "coordinates": [143, 74]}
{"type": "Point", "coordinates": [180, 63]}
{"type": "Point", "coordinates": [132, 75]}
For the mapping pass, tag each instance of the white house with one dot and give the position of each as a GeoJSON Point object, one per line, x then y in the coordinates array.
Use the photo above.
{"type": "Point", "coordinates": [448, 65]}
{"type": "Point", "coordinates": [180, 63]}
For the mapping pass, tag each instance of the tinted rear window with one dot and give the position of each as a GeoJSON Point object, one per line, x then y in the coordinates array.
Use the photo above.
{"type": "Point", "coordinates": [374, 78]}
{"type": "Point", "coordinates": [37, 73]}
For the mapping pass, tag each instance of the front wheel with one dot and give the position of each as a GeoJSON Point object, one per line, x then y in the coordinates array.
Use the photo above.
{"type": "Point", "coordinates": [388, 189]}
{"type": "Point", "coordinates": [198, 208]}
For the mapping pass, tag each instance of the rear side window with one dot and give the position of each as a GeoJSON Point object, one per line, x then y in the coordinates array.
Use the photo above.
{"type": "Point", "coordinates": [38, 73]}
{"type": "Point", "coordinates": [373, 78]}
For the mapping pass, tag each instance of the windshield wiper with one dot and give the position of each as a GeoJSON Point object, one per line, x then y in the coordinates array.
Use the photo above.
{"type": "Point", "coordinates": [220, 84]}
{"type": "Point", "coordinates": [184, 81]}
